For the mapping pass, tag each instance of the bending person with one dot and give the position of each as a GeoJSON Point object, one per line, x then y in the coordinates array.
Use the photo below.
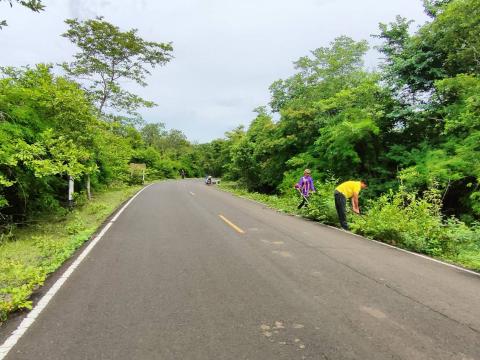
{"type": "Point", "coordinates": [344, 191]}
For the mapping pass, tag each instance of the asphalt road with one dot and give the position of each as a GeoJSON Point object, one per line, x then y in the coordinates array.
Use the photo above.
{"type": "Point", "coordinates": [171, 279]}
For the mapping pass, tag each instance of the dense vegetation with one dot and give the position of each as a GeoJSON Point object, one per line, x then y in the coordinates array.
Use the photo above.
{"type": "Point", "coordinates": [42, 247]}
{"type": "Point", "coordinates": [411, 129]}
{"type": "Point", "coordinates": [82, 124]}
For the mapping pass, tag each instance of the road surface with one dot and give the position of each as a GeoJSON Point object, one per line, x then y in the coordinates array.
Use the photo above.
{"type": "Point", "coordinates": [190, 272]}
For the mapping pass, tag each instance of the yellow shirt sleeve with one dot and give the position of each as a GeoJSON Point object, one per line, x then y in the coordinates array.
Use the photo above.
{"type": "Point", "coordinates": [348, 188]}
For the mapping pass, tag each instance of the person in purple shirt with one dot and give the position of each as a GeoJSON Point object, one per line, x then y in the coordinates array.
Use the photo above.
{"type": "Point", "coordinates": [305, 186]}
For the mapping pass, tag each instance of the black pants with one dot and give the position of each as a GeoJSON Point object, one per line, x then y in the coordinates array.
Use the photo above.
{"type": "Point", "coordinates": [304, 202]}
{"type": "Point", "coordinates": [340, 204]}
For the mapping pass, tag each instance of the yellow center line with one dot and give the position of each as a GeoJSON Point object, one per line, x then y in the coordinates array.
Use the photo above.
{"type": "Point", "coordinates": [231, 224]}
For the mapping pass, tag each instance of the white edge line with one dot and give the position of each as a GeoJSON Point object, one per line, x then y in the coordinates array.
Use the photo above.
{"type": "Point", "coordinates": [32, 315]}
{"type": "Point", "coordinates": [407, 251]}
{"type": "Point", "coordinates": [128, 203]}
{"type": "Point", "coordinates": [360, 236]}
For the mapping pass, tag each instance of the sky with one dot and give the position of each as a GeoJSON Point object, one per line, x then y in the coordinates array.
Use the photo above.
{"type": "Point", "coordinates": [226, 52]}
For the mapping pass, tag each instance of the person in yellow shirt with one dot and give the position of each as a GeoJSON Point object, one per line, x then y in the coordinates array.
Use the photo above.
{"type": "Point", "coordinates": [344, 191]}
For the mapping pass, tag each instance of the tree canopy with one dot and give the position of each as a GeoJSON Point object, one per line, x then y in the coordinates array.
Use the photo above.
{"type": "Point", "coordinates": [107, 56]}
{"type": "Point", "coordinates": [414, 121]}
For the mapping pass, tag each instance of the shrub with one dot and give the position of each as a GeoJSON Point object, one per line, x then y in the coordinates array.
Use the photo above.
{"type": "Point", "coordinates": [416, 223]}
{"type": "Point", "coordinates": [322, 204]}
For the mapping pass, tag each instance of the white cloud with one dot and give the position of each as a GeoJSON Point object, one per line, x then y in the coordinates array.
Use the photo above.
{"type": "Point", "coordinates": [227, 52]}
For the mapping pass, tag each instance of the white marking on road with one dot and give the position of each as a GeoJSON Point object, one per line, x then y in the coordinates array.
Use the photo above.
{"type": "Point", "coordinates": [408, 252]}
{"type": "Point", "coordinates": [191, 193]}
{"type": "Point", "coordinates": [284, 254]}
{"type": "Point", "coordinates": [128, 203]}
{"type": "Point", "coordinates": [272, 242]}
{"type": "Point", "coordinates": [42, 304]}
{"type": "Point", "coordinates": [373, 312]}
{"type": "Point", "coordinates": [237, 229]}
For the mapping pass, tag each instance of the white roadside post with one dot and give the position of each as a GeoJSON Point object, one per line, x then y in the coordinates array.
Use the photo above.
{"type": "Point", "coordinates": [89, 193]}
{"type": "Point", "coordinates": [70, 191]}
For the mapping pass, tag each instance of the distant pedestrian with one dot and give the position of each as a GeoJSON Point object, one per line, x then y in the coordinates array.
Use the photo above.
{"type": "Point", "coordinates": [344, 191]}
{"type": "Point", "coordinates": [305, 186]}
{"type": "Point", "coordinates": [182, 173]}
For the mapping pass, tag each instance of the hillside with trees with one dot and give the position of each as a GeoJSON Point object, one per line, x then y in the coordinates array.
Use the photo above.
{"type": "Point", "coordinates": [410, 128]}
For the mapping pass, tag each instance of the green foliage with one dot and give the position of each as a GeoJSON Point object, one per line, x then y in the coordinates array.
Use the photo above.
{"type": "Point", "coordinates": [434, 7]}
{"type": "Point", "coordinates": [412, 127]}
{"type": "Point", "coordinates": [417, 119]}
{"type": "Point", "coordinates": [286, 203]}
{"type": "Point", "coordinates": [452, 161]}
{"type": "Point", "coordinates": [47, 129]}
{"type": "Point", "coordinates": [443, 48]}
{"type": "Point", "coordinates": [416, 223]}
{"type": "Point", "coordinates": [34, 5]}
{"type": "Point", "coordinates": [404, 219]}
{"type": "Point", "coordinates": [30, 254]}
{"type": "Point", "coordinates": [322, 205]}
{"type": "Point", "coordinates": [107, 56]}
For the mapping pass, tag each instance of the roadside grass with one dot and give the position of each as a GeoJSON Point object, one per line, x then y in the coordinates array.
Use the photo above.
{"type": "Point", "coordinates": [29, 254]}
{"type": "Point", "coordinates": [399, 219]}
{"type": "Point", "coordinates": [281, 203]}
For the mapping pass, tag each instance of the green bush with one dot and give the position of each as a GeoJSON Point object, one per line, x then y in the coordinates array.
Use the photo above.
{"type": "Point", "coordinates": [17, 281]}
{"type": "Point", "coordinates": [322, 204]}
{"type": "Point", "coordinates": [404, 219]}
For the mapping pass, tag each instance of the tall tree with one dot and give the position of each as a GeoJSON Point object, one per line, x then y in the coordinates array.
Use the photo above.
{"type": "Point", "coordinates": [445, 47]}
{"type": "Point", "coordinates": [325, 71]}
{"type": "Point", "coordinates": [151, 133]}
{"type": "Point", "coordinates": [434, 7]}
{"type": "Point", "coordinates": [107, 56]}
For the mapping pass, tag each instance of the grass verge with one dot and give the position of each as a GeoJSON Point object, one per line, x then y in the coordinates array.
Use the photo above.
{"type": "Point", "coordinates": [31, 253]}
